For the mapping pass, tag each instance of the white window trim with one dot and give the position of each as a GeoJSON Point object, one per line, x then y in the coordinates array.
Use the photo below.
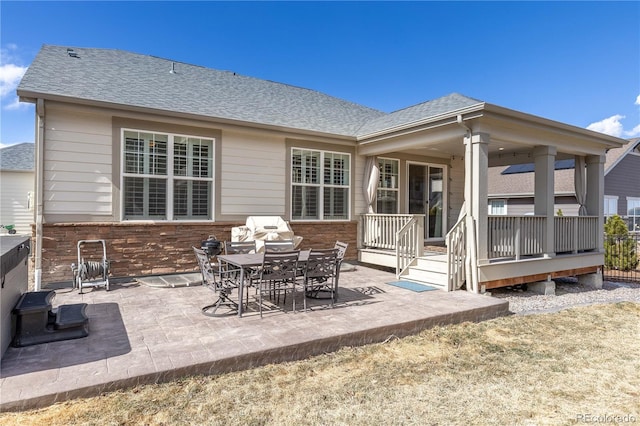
{"type": "Point", "coordinates": [634, 199]}
{"type": "Point", "coordinates": [321, 185]}
{"type": "Point", "coordinates": [610, 197]}
{"type": "Point", "coordinates": [504, 200]}
{"type": "Point", "coordinates": [397, 188]}
{"type": "Point", "coordinates": [169, 176]}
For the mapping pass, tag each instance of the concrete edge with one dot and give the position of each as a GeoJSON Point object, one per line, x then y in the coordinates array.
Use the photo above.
{"type": "Point", "coordinates": [294, 352]}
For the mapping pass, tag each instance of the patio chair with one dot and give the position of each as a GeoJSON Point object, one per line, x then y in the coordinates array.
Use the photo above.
{"type": "Point", "coordinates": [239, 247]}
{"type": "Point", "coordinates": [230, 273]}
{"type": "Point", "coordinates": [279, 245]}
{"type": "Point", "coordinates": [221, 286]}
{"type": "Point", "coordinates": [278, 276]}
{"type": "Point", "coordinates": [342, 250]}
{"type": "Point", "coordinates": [320, 275]}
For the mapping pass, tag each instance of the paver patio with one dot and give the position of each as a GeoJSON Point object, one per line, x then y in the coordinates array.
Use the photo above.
{"type": "Point", "coordinates": [143, 334]}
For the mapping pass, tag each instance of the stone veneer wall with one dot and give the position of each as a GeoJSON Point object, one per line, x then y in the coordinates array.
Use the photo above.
{"type": "Point", "coordinates": [151, 249]}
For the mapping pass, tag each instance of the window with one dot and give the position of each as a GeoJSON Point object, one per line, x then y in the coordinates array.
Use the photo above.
{"type": "Point", "coordinates": [387, 194]}
{"type": "Point", "coordinates": [497, 207]}
{"type": "Point", "coordinates": [610, 205]}
{"type": "Point", "coordinates": [320, 185]}
{"type": "Point", "coordinates": [633, 213]}
{"type": "Point", "coordinates": [166, 176]}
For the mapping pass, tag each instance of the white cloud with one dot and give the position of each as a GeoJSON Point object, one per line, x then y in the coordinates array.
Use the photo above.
{"type": "Point", "coordinates": [613, 126]}
{"type": "Point", "coordinates": [635, 132]}
{"type": "Point", "coordinates": [10, 75]}
{"type": "Point", "coordinates": [610, 126]}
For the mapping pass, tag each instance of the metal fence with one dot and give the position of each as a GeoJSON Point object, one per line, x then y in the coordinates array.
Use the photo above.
{"type": "Point", "coordinates": [621, 257]}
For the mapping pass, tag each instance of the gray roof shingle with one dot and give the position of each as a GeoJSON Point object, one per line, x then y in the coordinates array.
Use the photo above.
{"type": "Point", "coordinates": [17, 157]}
{"type": "Point", "coordinates": [131, 79]}
{"type": "Point", "coordinates": [418, 112]}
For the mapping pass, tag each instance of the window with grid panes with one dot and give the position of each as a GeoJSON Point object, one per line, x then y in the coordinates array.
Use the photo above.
{"type": "Point", "coordinates": [633, 213]}
{"type": "Point", "coordinates": [610, 205]}
{"type": "Point", "coordinates": [497, 207]}
{"type": "Point", "coordinates": [387, 193]}
{"type": "Point", "coordinates": [320, 183]}
{"type": "Point", "coordinates": [166, 176]}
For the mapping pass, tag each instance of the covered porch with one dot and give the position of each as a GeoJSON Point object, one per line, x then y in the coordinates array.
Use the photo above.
{"type": "Point", "coordinates": [483, 251]}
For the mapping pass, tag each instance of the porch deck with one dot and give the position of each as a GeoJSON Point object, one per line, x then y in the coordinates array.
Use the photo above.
{"type": "Point", "coordinates": [513, 250]}
{"type": "Point", "coordinates": [141, 334]}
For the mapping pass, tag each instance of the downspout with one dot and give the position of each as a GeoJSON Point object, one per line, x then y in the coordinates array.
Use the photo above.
{"type": "Point", "coordinates": [39, 187]}
{"type": "Point", "coordinates": [471, 259]}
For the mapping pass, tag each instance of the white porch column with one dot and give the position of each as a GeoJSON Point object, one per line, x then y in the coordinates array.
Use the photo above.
{"type": "Point", "coordinates": [544, 160]}
{"type": "Point", "coordinates": [595, 193]}
{"type": "Point", "coordinates": [479, 183]}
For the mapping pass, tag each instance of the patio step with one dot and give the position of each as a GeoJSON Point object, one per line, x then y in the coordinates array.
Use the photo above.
{"type": "Point", "coordinates": [430, 269]}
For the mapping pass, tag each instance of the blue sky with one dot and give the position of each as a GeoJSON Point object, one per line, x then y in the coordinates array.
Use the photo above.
{"type": "Point", "coordinates": [575, 62]}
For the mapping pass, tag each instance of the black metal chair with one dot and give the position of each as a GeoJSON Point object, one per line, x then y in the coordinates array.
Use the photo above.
{"type": "Point", "coordinates": [222, 287]}
{"type": "Point", "coordinates": [278, 276]}
{"type": "Point", "coordinates": [320, 275]}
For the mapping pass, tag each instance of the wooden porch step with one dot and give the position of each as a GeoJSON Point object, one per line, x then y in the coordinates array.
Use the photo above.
{"type": "Point", "coordinates": [429, 269]}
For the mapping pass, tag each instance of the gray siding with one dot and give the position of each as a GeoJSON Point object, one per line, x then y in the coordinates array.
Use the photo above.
{"type": "Point", "coordinates": [624, 181]}
{"type": "Point", "coordinates": [523, 206]}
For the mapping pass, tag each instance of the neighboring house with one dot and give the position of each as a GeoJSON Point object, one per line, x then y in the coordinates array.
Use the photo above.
{"type": "Point", "coordinates": [622, 183]}
{"type": "Point", "coordinates": [17, 178]}
{"type": "Point", "coordinates": [511, 188]}
{"type": "Point", "coordinates": [154, 155]}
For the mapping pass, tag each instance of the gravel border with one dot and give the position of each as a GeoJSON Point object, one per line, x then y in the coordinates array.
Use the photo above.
{"type": "Point", "coordinates": [568, 294]}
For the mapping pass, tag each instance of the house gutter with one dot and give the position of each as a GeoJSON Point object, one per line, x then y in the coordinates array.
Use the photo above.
{"type": "Point", "coordinates": [39, 189]}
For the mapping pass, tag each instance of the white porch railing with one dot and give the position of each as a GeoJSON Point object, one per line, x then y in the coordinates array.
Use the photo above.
{"type": "Point", "coordinates": [403, 233]}
{"type": "Point", "coordinates": [409, 243]}
{"type": "Point", "coordinates": [456, 241]}
{"type": "Point", "coordinates": [517, 236]}
{"type": "Point", "coordinates": [379, 230]}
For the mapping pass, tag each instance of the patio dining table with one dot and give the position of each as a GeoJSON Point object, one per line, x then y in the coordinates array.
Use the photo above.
{"type": "Point", "coordinates": [246, 261]}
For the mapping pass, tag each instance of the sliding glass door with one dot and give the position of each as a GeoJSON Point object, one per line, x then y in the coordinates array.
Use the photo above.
{"type": "Point", "coordinates": [427, 195]}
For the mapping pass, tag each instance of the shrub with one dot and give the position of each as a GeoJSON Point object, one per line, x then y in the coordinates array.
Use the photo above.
{"type": "Point", "coordinates": [619, 248]}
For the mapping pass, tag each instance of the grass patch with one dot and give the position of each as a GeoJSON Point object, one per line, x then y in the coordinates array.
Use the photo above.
{"type": "Point", "coordinates": [538, 369]}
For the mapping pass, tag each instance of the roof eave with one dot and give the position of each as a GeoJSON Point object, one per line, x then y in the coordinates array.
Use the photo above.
{"type": "Point", "coordinates": [609, 141]}
{"type": "Point", "coordinates": [449, 117]}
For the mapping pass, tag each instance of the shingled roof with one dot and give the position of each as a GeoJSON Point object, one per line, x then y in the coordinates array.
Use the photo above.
{"type": "Point", "coordinates": [415, 113]}
{"type": "Point", "coordinates": [123, 78]}
{"type": "Point", "coordinates": [17, 157]}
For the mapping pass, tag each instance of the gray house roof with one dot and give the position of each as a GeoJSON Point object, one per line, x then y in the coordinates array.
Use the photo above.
{"type": "Point", "coordinates": [418, 112]}
{"type": "Point", "coordinates": [120, 77]}
{"type": "Point", "coordinates": [134, 80]}
{"type": "Point", "coordinates": [17, 157]}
